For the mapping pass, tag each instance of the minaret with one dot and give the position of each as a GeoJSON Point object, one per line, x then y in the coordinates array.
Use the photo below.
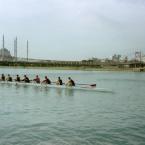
{"type": "Point", "coordinates": [27, 49]}
{"type": "Point", "coordinates": [3, 46]}
{"type": "Point", "coordinates": [15, 49]}
{"type": "Point", "coordinates": [3, 41]}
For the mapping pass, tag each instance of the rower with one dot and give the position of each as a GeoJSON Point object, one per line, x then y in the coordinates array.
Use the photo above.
{"type": "Point", "coordinates": [59, 81]}
{"type": "Point", "coordinates": [26, 79]}
{"type": "Point", "coordinates": [46, 80]}
{"type": "Point", "coordinates": [70, 82]}
{"type": "Point", "coordinates": [37, 79]}
{"type": "Point", "coordinates": [17, 78]}
{"type": "Point", "coordinates": [2, 77]}
{"type": "Point", "coordinates": [9, 78]}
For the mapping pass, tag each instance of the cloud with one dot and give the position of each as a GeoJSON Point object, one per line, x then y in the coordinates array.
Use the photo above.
{"type": "Point", "coordinates": [90, 26]}
{"type": "Point", "coordinates": [142, 2]}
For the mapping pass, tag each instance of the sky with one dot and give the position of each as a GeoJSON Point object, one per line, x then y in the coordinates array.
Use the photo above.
{"type": "Point", "coordinates": [73, 29]}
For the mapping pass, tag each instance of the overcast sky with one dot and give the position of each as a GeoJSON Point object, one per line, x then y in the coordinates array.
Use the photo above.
{"type": "Point", "coordinates": [73, 29]}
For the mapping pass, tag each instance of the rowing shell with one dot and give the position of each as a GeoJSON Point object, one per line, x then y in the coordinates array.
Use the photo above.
{"type": "Point", "coordinates": [85, 88]}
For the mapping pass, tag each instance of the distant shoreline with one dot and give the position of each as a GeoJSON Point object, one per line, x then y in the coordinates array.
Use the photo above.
{"type": "Point", "coordinates": [76, 65]}
{"type": "Point", "coordinates": [80, 68]}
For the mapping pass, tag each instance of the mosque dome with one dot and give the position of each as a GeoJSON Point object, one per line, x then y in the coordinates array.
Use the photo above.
{"type": "Point", "coordinates": [5, 54]}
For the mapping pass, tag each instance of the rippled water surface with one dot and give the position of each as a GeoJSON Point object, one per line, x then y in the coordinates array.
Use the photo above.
{"type": "Point", "coordinates": [31, 115]}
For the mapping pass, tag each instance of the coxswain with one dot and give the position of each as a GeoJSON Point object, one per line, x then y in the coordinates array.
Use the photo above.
{"type": "Point", "coordinates": [2, 77]}
{"type": "Point", "coordinates": [46, 80]}
{"type": "Point", "coordinates": [26, 79]}
{"type": "Point", "coordinates": [59, 81]}
{"type": "Point", "coordinates": [37, 79]}
{"type": "Point", "coordinates": [9, 78]}
{"type": "Point", "coordinates": [17, 78]}
{"type": "Point", "coordinates": [70, 82]}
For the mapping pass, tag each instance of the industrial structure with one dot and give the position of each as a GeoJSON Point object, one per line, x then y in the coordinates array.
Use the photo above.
{"type": "Point", "coordinates": [15, 49]}
{"type": "Point", "coordinates": [27, 49]}
{"type": "Point", "coordinates": [117, 61]}
{"type": "Point", "coordinates": [5, 54]}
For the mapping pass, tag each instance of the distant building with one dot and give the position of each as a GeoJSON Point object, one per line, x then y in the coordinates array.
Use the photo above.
{"type": "Point", "coordinates": [126, 59]}
{"type": "Point", "coordinates": [94, 60]}
{"type": "Point", "coordinates": [5, 55]}
{"type": "Point", "coordinates": [143, 58]}
{"type": "Point", "coordinates": [116, 58]}
{"type": "Point", "coordinates": [139, 56]}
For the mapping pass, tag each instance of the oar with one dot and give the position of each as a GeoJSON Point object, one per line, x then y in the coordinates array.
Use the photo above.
{"type": "Point", "coordinates": [92, 85]}
{"type": "Point", "coordinates": [56, 82]}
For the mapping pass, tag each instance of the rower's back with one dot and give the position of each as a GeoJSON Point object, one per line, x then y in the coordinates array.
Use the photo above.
{"type": "Point", "coordinates": [26, 79]}
{"type": "Point", "coordinates": [46, 80]}
{"type": "Point", "coordinates": [18, 78]}
{"type": "Point", "coordinates": [59, 81]}
{"type": "Point", "coordinates": [9, 79]}
{"type": "Point", "coordinates": [3, 77]}
{"type": "Point", "coordinates": [70, 82]}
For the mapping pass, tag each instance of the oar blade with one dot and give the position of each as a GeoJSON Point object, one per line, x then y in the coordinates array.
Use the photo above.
{"type": "Point", "coordinates": [93, 85]}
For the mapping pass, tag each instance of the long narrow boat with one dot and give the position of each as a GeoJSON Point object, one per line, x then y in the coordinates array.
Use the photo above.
{"type": "Point", "coordinates": [78, 87]}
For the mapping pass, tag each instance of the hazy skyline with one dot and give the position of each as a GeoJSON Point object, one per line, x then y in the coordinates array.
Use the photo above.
{"type": "Point", "coordinates": [73, 29]}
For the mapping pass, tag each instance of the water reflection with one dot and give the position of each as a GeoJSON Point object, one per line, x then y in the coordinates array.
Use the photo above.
{"type": "Point", "coordinates": [69, 92]}
{"type": "Point", "coordinates": [42, 89]}
{"type": "Point", "coordinates": [37, 89]}
{"type": "Point", "coordinates": [59, 92]}
{"type": "Point", "coordinates": [64, 92]}
{"type": "Point", "coordinates": [46, 90]}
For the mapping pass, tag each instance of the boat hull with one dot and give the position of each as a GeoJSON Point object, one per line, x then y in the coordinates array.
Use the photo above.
{"type": "Point", "coordinates": [83, 88]}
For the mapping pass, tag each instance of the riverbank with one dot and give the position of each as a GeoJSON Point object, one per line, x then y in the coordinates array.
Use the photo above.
{"type": "Point", "coordinates": [81, 68]}
{"type": "Point", "coordinates": [77, 65]}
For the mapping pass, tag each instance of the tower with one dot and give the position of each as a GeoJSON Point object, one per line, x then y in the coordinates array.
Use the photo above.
{"type": "Point", "coordinates": [138, 56]}
{"type": "Point", "coordinates": [3, 42]}
{"type": "Point", "coordinates": [15, 49]}
{"type": "Point", "coordinates": [5, 54]}
{"type": "Point", "coordinates": [27, 49]}
{"type": "Point", "coordinates": [3, 46]}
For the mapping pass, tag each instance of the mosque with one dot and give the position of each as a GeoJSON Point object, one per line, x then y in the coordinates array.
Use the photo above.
{"type": "Point", "coordinates": [5, 54]}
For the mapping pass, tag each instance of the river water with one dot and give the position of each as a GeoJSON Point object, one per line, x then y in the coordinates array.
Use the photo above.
{"type": "Point", "coordinates": [31, 115]}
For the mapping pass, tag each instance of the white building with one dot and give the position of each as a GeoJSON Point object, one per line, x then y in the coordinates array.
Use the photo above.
{"type": "Point", "coordinates": [143, 58]}
{"type": "Point", "coordinates": [5, 54]}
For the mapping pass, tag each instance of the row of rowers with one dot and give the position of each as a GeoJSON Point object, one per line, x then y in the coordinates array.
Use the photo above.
{"type": "Point", "coordinates": [46, 80]}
